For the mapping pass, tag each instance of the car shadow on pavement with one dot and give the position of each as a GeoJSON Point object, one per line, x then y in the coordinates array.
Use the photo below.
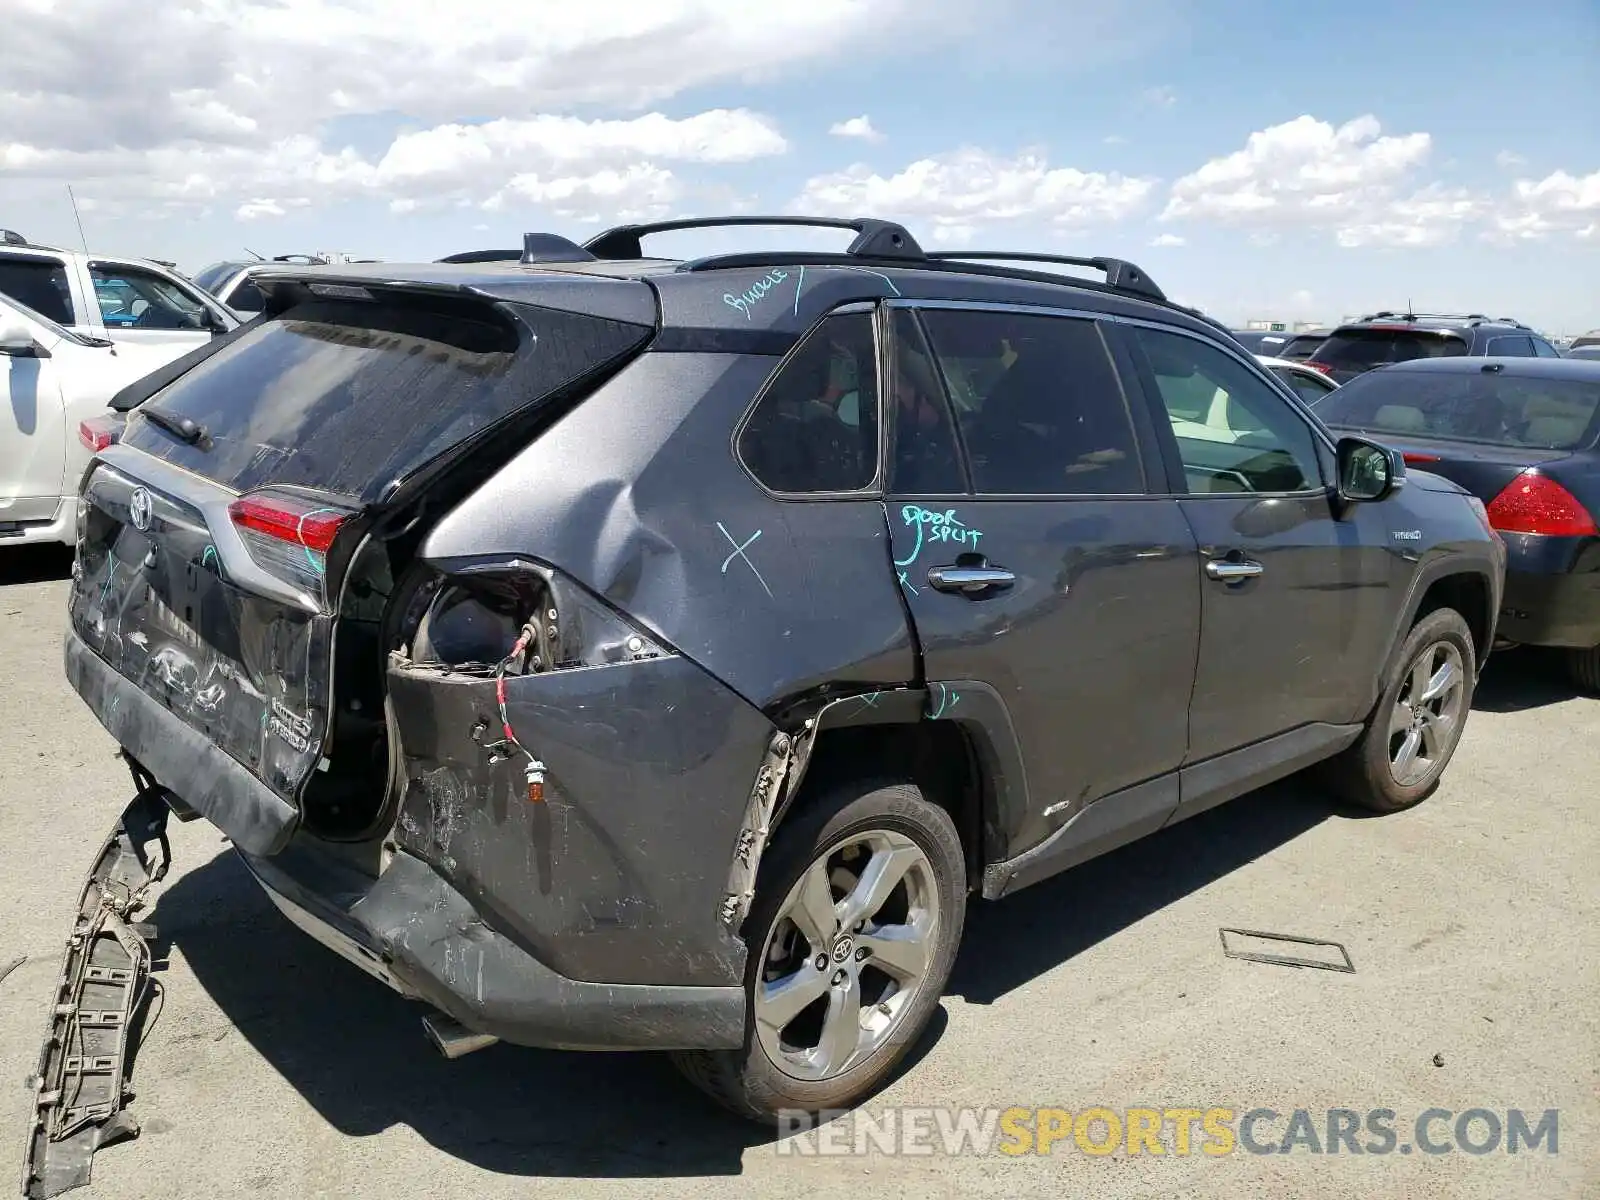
{"type": "Point", "coordinates": [357, 1053]}
{"type": "Point", "coordinates": [1523, 678]}
{"type": "Point", "coordinates": [1009, 943]}
{"type": "Point", "coordinates": [34, 564]}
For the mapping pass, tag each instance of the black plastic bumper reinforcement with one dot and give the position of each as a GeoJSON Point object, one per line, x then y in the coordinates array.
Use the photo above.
{"type": "Point", "coordinates": [81, 1089]}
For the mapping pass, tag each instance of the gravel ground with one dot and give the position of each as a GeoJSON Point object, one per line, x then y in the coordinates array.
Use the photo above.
{"type": "Point", "coordinates": [275, 1069]}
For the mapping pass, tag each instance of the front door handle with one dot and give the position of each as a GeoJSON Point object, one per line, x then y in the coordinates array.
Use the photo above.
{"type": "Point", "coordinates": [969, 580]}
{"type": "Point", "coordinates": [1230, 570]}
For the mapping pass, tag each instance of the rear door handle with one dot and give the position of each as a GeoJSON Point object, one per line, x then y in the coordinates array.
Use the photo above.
{"type": "Point", "coordinates": [1233, 570]}
{"type": "Point", "coordinates": [969, 580]}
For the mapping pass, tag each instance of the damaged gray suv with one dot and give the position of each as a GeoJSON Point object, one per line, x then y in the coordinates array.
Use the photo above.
{"type": "Point", "coordinates": [618, 652]}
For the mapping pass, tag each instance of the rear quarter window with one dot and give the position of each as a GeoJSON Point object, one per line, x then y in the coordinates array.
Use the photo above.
{"type": "Point", "coordinates": [351, 397]}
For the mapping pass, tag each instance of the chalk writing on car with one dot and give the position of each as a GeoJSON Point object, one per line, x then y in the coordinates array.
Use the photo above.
{"type": "Point", "coordinates": [755, 293]}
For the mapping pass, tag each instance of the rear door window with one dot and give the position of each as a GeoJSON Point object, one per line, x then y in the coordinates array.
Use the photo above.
{"type": "Point", "coordinates": [1551, 414]}
{"type": "Point", "coordinates": [815, 427]}
{"type": "Point", "coordinates": [1038, 403]}
{"type": "Point", "coordinates": [1363, 349]}
{"type": "Point", "coordinates": [40, 284]}
{"type": "Point", "coordinates": [350, 397]}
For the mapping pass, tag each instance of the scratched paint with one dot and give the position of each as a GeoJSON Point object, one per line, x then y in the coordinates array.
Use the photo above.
{"type": "Point", "coordinates": [941, 701]}
{"type": "Point", "coordinates": [755, 293]}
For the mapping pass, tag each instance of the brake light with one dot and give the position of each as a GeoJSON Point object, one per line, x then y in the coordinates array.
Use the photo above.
{"type": "Point", "coordinates": [99, 432]}
{"type": "Point", "coordinates": [1416, 458]}
{"type": "Point", "coordinates": [1535, 503]}
{"type": "Point", "coordinates": [289, 535]}
{"type": "Point", "coordinates": [1319, 366]}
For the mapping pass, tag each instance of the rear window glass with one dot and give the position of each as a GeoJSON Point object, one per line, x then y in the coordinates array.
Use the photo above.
{"type": "Point", "coordinates": [1553, 414]}
{"type": "Point", "coordinates": [1302, 346]}
{"type": "Point", "coordinates": [350, 397]}
{"type": "Point", "coordinates": [1362, 349]}
{"type": "Point", "coordinates": [40, 285]}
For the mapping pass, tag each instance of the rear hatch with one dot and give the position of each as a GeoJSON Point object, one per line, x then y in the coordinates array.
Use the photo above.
{"type": "Point", "coordinates": [214, 537]}
{"type": "Point", "coordinates": [1348, 352]}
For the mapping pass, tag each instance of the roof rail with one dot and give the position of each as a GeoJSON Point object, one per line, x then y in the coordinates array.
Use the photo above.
{"type": "Point", "coordinates": [875, 239]}
{"type": "Point", "coordinates": [1119, 273]}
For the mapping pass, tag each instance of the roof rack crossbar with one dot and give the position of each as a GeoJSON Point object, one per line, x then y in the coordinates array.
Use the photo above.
{"type": "Point", "coordinates": [1120, 274]}
{"type": "Point", "coordinates": [874, 238]}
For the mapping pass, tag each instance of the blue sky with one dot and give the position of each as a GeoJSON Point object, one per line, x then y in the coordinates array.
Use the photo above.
{"type": "Point", "coordinates": [1258, 159]}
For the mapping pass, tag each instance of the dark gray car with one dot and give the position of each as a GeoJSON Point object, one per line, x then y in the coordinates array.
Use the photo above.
{"type": "Point", "coordinates": [617, 652]}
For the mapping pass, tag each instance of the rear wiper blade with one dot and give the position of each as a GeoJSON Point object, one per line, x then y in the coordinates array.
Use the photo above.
{"type": "Point", "coordinates": [185, 429]}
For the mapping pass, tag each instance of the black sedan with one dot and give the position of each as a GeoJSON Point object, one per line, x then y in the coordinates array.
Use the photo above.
{"type": "Point", "coordinates": [1520, 434]}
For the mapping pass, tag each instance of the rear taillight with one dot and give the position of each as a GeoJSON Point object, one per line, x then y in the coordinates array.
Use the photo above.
{"type": "Point", "coordinates": [99, 432]}
{"type": "Point", "coordinates": [1416, 458]}
{"type": "Point", "coordinates": [1319, 366]}
{"type": "Point", "coordinates": [1534, 503]}
{"type": "Point", "coordinates": [289, 535]}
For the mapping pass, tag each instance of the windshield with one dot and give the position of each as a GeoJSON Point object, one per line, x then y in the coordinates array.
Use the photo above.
{"type": "Point", "coordinates": [1491, 408]}
{"type": "Point", "coordinates": [1363, 349]}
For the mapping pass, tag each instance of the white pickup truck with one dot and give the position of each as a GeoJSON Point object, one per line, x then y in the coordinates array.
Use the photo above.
{"type": "Point", "coordinates": [130, 300]}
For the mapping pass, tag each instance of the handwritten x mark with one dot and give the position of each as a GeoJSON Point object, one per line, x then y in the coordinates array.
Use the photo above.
{"type": "Point", "coordinates": [739, 552]}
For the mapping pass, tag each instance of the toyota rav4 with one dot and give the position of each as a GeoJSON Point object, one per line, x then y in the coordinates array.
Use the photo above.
{"type": "Point", "coordinates": [619, 652]}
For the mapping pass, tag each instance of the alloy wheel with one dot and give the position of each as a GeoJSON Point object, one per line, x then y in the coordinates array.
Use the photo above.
{"type": "Point", "coordinates": [847, 954]}
{"type": "Point", "coordinates": [1426, 719]}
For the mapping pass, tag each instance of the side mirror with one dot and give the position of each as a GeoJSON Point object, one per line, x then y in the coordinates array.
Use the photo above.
{"type": "Point", "coordinates": [1368, 471]}
{"type": "Point", "coordinates": [17, 342]}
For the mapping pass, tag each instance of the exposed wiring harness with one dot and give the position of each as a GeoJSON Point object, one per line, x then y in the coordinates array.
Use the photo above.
{"type": "Point", "coordinates": [534, 771]}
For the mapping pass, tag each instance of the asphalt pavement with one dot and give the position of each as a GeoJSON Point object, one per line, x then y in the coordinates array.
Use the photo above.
{"type": "Point", "coordinates": [269, 1067]}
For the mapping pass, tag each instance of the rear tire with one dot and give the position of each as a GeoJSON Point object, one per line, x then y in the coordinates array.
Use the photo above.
{"type": "Point", "coordinates": [1417, 724]}
{"type": "Point", "coordinates": [1584, 668]}
{"type": "Point", "coordinates": [832, 1008]}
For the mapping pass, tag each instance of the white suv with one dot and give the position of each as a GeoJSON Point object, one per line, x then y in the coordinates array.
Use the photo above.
{"type": "Point", "coordinates": [130, 300]}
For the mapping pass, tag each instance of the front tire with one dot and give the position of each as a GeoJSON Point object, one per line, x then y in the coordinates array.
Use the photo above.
{"type": "Point", "coordinates": [1417, 724]}
{"type": "Point", "coordinates": [857, 917]}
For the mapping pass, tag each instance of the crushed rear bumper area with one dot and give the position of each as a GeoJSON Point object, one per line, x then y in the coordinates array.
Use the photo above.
{"type": "Point", "coordinates": [410, 928]}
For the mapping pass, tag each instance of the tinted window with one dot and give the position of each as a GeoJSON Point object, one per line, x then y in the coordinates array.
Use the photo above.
{"type": "Point", "coordinates": [214, 276]}
{"type": "Point", "coordinates": [815, 428]}
{"type": "Point", "coordinates": [1234, 433]}
{"type": "Point", "coordinates": [1362, 349]}
{"type": "Point", "coordinates": [246, 298]}
{"type": "Point", "coordinates": [1302, 346]}
{"type": "Point", "coordinates": [1309, 388]}
{"type": "Point", "coordinates": [926, 459]}
{"type": "Point", "coordinates": [1544, 349]}
{"type": "Point", "coordinates": [353, 396]}
{"type": "Point", "coordinates": [1038, 403]}
{"type": "Point", "coordinates": [39, 284]}
{"type": "Point", "coordinates": [1513, 347]}
{"type": "Point", "coordinates": [1471, 406]}
{"type": "Point", "coordinates": [134, 299]}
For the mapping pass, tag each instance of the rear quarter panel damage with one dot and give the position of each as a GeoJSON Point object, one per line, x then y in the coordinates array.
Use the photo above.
{"type": "Point", "coordinates": [618, 875]}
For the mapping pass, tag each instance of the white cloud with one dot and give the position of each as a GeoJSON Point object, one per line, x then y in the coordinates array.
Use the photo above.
{"type": "Point", "coordinates": [268, 206]}
{"type": "Point", "coordinates": [1558, 203]}
{"type": "Point", "coordinates": [1509, 159]}
{"type": "Point", "coordinates": [244, 100]}
{"type": "Point", "coordinates": [1159, 97]}
{"type": "Point", "coordinates": [856, 127]}
{"type": "Point", "coordinates": [960, 192]}
{"type": "Point", "coordinates": [1350, 180]}
{"type": "Point", "coordinates": [1168, 239]}
{"type": "Point", "coordinates": [1114, 139]}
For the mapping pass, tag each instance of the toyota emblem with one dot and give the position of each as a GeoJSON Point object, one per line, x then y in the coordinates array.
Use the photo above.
{"type": "Point", "coordinates": [139, 506]}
